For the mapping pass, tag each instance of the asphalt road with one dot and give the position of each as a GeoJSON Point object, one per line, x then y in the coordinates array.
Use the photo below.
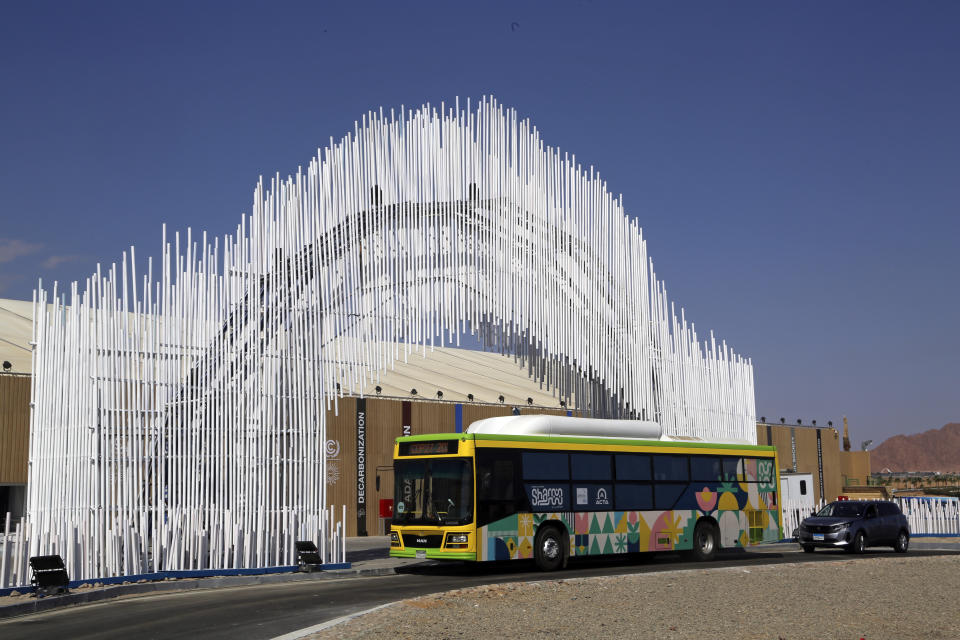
{"type": "Point", "coordinates": [268, 611]}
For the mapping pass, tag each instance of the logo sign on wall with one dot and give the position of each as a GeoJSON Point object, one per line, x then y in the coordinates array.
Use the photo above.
{"type": "Point", "coordinates": [332, 451]}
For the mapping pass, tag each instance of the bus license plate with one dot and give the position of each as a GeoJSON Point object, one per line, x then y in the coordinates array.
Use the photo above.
{"type": "Point", "coordinates": [818, 536]}
{"type": "Point", "coordinates": [422, 553]}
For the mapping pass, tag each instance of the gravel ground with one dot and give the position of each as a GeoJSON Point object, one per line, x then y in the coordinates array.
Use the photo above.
{"type": "Point", "coordinates": [899, 598]}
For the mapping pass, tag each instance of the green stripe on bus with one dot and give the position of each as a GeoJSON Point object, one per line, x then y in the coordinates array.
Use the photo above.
{"type": "Point", "coordinates": [584, 440]}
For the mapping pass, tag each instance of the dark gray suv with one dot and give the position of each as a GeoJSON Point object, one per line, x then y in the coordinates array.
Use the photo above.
{"type": "Point", "coordinates": [855, 525]}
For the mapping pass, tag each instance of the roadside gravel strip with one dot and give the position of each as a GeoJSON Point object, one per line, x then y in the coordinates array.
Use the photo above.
{"type": "Point", "coordinates": [873, 598]}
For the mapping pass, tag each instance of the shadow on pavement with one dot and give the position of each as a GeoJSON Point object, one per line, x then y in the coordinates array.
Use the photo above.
{"type": "Point", "coordinates": [374, 553]}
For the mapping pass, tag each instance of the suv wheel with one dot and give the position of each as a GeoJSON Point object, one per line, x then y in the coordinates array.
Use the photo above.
{"type": "Point", "coordinates": [808, 548]}
{"type": "Point", "coordinates": [903, 541]}
{"type": "Point", "coordinates": [859, 543]}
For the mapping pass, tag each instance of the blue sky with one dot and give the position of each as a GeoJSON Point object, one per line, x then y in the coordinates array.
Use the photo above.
{"type": "Point", "coordinates": [796, 168]}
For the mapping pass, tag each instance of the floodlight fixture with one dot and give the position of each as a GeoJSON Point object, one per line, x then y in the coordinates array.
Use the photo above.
{"type": "Point", "coordinates": [308, 556]}
{"type": "Point", "coordinates": [49, 575]}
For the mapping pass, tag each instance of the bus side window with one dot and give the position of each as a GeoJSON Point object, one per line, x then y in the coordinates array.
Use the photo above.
{"type": "Point", "coordinates": [633, 466]}
{"type": "Point", "coordinates": [503, 479]}
{"type": "Point", "coordinates": [670, 468]}
{"type": "Point", "coordinates": [590, 466]}
{"type": "Point", "coordinates": [541, 465]}
{"type": "Point", "coordinates": [706, 468]}
{"type": "Point", "coordinates": [633, 496]}
{"type": "Point", "coordinates": [731, 469]}
{"type": "Point", "coordinates": [666, 495]}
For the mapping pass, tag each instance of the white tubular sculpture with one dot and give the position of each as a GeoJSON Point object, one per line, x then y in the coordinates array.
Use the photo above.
{"type": "Point", "coordinates": [179, 406]}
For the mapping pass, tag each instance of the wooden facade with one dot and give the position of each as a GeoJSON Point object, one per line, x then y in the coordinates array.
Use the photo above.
{"type": "Point", "coordinates": [384, 421]}
{"type": "Point", "coordinates": [797, 450]}
{"type": "Point", "coordinates": [14, 427]}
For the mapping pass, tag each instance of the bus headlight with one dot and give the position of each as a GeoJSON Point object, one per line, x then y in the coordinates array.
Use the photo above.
{"type": "Point", "coordinates": [394, 539]}
{"type": "Point", "coordinates": [457, 538]}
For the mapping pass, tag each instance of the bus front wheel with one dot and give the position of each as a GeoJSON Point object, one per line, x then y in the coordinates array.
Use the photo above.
{"type": "Point", "coordinates": [705, 541]}
{"type": "Point", "coordinates": [548, 550]}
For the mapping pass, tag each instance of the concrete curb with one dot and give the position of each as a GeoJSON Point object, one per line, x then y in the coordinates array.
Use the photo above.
{"type": "Point", "coordinates": [168, 586]}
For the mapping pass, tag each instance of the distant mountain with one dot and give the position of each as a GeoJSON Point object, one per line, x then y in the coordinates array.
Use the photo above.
{"type": "Point", "coordinates": [934, 450]}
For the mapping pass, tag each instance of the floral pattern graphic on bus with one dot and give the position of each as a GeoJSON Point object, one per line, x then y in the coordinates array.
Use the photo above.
{"type": "Point", "coordinates": [608, 532]}
{"type": "Point", "coordinates": [706, 499]}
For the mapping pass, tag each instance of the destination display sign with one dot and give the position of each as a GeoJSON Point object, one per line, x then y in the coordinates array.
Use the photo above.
{"type": "Point", "coordinates": [438, 448]}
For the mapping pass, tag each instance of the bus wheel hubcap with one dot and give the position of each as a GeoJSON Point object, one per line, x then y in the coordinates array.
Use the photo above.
{"type": "Point", "coordinates": [550, 548]}
{"type": "Point", "coordinates": [706, 542]}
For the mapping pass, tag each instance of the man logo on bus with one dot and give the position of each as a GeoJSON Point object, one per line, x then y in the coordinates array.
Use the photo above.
{"type": "Point", "coordinates": [547, 496]}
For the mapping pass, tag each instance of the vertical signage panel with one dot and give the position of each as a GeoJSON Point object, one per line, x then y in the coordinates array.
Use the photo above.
{"type": "Point", "coordinates": [407, 429]}
{"type": "Point", "coordinates": [361, 467]}
{"type": "Point", "coordinates": [820, 464]}
{"type": "Point", "coordinates": [793, 447]}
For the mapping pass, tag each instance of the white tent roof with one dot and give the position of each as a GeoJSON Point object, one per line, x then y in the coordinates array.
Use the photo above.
{"type": "Point", "coordinates": [16, 331]}
{"type": "Point", "coordinates": [454, 372]}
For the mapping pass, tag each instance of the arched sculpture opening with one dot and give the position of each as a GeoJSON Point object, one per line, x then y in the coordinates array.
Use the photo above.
{"type": "Point", "coordinates": [179, 406]}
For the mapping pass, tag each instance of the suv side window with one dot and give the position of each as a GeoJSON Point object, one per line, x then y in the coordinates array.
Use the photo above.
{"type": "Point", "coordinates": [889, 509]}
{"type": "Point", "coordinates": [871, 512]}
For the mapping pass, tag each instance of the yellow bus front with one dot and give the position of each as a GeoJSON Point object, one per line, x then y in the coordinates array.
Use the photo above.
{"type": "Point", "coordinates": [434, 507]}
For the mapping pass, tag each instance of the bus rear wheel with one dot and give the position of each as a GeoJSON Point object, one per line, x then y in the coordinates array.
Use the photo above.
{"type": "Point", "coordinates": [705, 541]}
{"type": "Point", "coordinates": [548, 549]}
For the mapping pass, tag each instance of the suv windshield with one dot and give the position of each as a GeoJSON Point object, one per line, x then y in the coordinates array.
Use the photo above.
{"type": "Point", "coordinates": [842, 509]}
{"type": "Point", "coordinates": [435, 491]}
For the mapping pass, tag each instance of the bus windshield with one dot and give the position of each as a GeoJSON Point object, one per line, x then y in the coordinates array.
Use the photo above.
{"type": "Point", "coordinates": [436, 491]}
